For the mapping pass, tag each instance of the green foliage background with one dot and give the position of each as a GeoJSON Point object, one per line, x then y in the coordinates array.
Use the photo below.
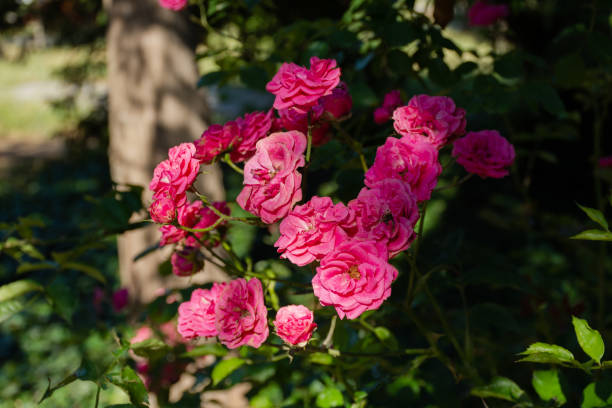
{"type": "Point", "coordinates": [496, 255]}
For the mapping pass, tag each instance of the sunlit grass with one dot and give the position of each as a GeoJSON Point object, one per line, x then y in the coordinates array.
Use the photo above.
{"type": "Point", "coordinates": [24, 111]}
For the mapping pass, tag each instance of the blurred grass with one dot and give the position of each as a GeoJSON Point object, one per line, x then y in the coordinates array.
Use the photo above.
{"type": "Point", "coordinates": [32, 116]}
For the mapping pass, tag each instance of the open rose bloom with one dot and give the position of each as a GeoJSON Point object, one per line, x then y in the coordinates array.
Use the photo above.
{"type": "Point", "coordinates": [174, 176]}
{"type": "Point", "coordinates": [434, 119]}
{"type": "Point", "coordinates": [386, 213]}
{"type": "Point", "coordinates": [241, 315]}
{"type": "Point", "coordinates": [272, 183]}
{"type": "Point", "coordinates": [300, 88]}
{"type": "Point", "coordinates": [485, 153]}
{"type": "Point", "coordinates": [197, 316]}
{"type": "Point", "coordinates": [355, 277]}
{"type": "Point", "coordinates": [294, 324]}
{"type": "Point", "coordinates": [412, 160]}
{"type": "Point", "coordinates": [312, 230]}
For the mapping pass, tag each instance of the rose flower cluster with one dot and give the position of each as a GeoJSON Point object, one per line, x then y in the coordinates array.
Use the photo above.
{"type": "Point", "coordinates": [350, 244]}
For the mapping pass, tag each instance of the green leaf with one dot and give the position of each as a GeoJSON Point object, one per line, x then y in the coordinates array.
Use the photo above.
{"type": "Point", "coordinates": [330, 397]}
{"type": "Point", "coordinates": [268, 397]}
{"type": "Point", "coordinates": [225, 368]}
{"type": "Point", "coordinates": [547, 353]}
{"type": "Point", "coordinates": [595, 215]}
{"type": "Point", "coordinates": [62, 296]}
{"type": "Point", "coordinates": [10, 307]}
{"type": "Point", "coordinates": [50, 390]}
{"type": "Point", "coordinates": [86, 269]}
{"type": "Point", "coordinates": [132, 385]}
{"type": "Point", "coordinates": [150, 348]}
{"type": "Point", "coordinates": [386, 337]}
{"type": "Point", "coordinates": [547, 385]}
{"type": "Point", "coordinates": [36, 266]}
{"type": "Point", "coordinates": [500, 388]}
{"type": "Point", "coordinates": [213, 349]}
{"type": "Point", "coordinates": [594, 235]}
{"type": "Point", "coordinates": [589, 339]}
{"type": "Point", "coordinates": [321, 358]}
{"type": "Point", "coordinates": [18, 288]}
{"type": "Point", "coordinates": [591, 399]}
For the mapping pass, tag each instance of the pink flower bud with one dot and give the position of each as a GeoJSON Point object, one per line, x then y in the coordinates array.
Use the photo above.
{"type": "Point", "coordinates": [120, 299]}
{"type": "Point", "coordinates": [162, 210]}
{"type": "Point", "coordinates": [294, 324]}
{"type": "Point", "coordinates": [186, 261]}
{"type": "Point", "coordinates": [381, 115]}
{"type": "Point", "coordinates": [392, 100]}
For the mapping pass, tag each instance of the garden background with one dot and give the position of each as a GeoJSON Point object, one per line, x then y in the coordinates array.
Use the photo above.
{"type": "Point", "coordinates": [496, 255]}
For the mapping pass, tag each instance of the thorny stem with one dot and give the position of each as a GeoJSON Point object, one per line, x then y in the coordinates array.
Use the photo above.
{"type": "Point", "coordinates": [309, 349]}
{"type": "Point", "coordinates": [233, 165]}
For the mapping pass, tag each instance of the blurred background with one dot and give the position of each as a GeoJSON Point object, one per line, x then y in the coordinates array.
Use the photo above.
{"type": "Point", "coordinates": [73, 161]}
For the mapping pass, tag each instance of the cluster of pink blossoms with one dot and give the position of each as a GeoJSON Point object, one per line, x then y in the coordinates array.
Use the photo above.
{"type": "Point", "coordinates": [172, 179]}
{"type": "Point", "coordinates": [235, 312]}
{"type": "Point", "coordinates": [351, 243]}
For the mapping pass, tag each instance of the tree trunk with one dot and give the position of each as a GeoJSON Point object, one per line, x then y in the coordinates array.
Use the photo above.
{"type": "Point", "coordinates": [154, 104]}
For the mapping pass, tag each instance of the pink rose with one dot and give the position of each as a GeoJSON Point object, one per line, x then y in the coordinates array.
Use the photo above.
{"type": "Point", "coordinates": [241, 315]}
{"type": "Point", "coordinates": [120, 299]}
{"type": "Point", "coordinates": [216, 140]}
{"type": "Point", "coordinates": [291, 119]}
{"type": "Point", "coordinates": [186, 261]}
{"type": "Point", "coordinates": [391, 101]}
{"type": "Point", "coordinates": [253, 127]}
{"type": "Point", "coordinates": [415, 162]}
{"type": "Point", "coordinates": [300, 88]}
{"type": "Point", "coordinates": [173, 4]}
{"type": "Point", "coordinates": [312, 230]}
{"type": "Point", "coordinates": [338, 104]}
{"type": "Point", "coordinates": [196, 317]}
{"type": "Point", "coordinates": [162, 210]}
{"type": "Point", "coordinates": [294, 324]}
{"type": "Point", "coordinates": [355, 277]}
{"type": "Point", "coordinates": [433, 118]}
{"type": "Point", "coordinates": [174, 176]}
{"type": "Point", "coordinates": [483, 14]}
{"type": "Point", "coordinates": [272, 184]}
{"type": "Point", "coordinates": [485, 153]}
{"type": "Point", "coordinates": [387, 213]}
